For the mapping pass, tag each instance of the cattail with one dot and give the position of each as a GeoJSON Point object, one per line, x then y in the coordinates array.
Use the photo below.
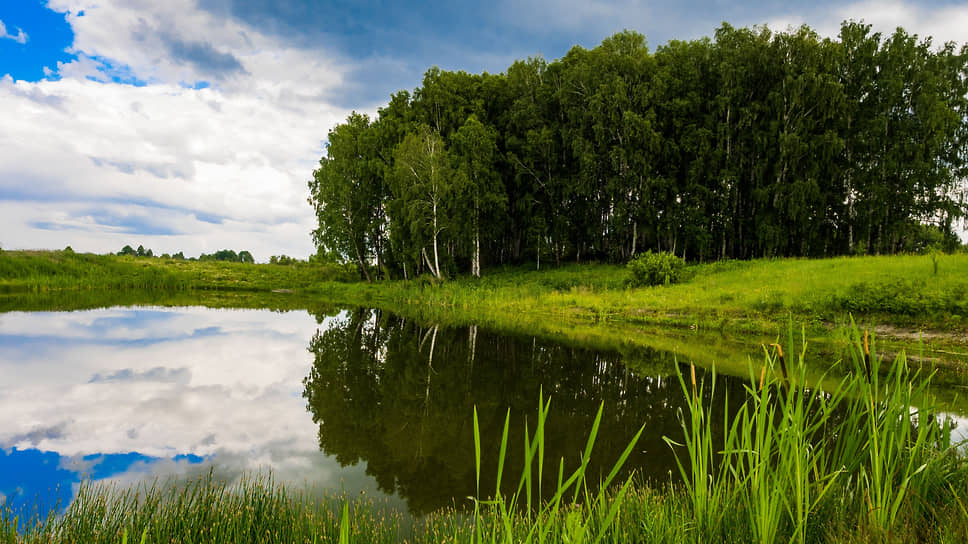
{"type": "Point", "coordinates": [867, 355]}
{"type": "Point", "coordinates": [779, 352]}
{"type": "Point", "coordinates": [692, 376]}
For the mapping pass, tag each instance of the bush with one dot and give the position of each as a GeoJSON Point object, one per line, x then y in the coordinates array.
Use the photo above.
{"type": "Point", "coordinates": [661, 268]}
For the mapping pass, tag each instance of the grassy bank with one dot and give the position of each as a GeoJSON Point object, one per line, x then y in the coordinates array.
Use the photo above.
{"type": "Point", "coordinates": [913, 292]}
{"type": "Point", "coordinates": [736, 296]}
{"type": "Point", "coordinates": [721, 313]}
{"type": "Point", "coordinates": [866, 462]}
{"type": "Point", "coordinates": [45, 271]}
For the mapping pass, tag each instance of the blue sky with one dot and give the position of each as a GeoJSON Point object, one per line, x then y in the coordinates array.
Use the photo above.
{"type": "Point", "coordinates": [193, 125]}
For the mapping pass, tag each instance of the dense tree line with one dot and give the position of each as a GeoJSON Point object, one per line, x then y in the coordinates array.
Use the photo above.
{"type": "Point", "coordinates": [749, 144]}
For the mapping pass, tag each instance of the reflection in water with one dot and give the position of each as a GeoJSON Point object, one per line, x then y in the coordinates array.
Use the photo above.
{"type": "Point", "coordinates": [133, 394]}
{"type": "Point", "coordinates": [399, 395]}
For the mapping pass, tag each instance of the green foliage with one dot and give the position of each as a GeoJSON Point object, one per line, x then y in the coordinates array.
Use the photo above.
{"type": "Point", "coordinates": [348, 192]}
{"type": "Point", "coordinates": [906, 297]}
{"type": "Point", "coordinates": [886, 451]}
{"type": "Point", "coordinates": [747, 144]}
{"type": "Point", "coordinates": [228, 255]}
{"type": "Point", "coordinates": [662, 268]}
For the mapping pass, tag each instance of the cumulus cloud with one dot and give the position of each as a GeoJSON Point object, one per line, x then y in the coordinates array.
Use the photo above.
{"type": "Point", "coordinates": [171, 114]}
{"type": "Point", "coordinates": [943, 23]}
{"type": "Point", "coordinates": [20, 37]}
{"type": "Point", "coordinates": [596, 16]}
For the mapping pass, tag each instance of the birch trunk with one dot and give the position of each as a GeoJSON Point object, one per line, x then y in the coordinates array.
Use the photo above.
{"type": "Point", "coordinates": [436, 232]}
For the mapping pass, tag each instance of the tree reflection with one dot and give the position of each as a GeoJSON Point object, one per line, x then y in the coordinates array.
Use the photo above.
{"type": "Point", "coordinates": [399, 396]}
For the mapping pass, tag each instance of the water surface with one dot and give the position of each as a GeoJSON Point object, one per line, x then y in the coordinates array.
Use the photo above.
{"type": "Point", "coordinates": [347, 401]}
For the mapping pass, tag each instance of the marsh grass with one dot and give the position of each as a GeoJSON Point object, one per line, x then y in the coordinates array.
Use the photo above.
{"type": "Point", "coordinates": [867, 460]}
{"type": "Point", "coordinates": [585, 517]}
{"type": "Point", "coordinates": [871, 448]}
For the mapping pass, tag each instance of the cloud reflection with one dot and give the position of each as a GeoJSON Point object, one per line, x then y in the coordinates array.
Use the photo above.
{"type": "Point", "coordinates": [129, 395]}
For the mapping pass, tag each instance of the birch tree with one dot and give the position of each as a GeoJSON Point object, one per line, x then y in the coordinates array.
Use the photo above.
{"type": "Point", "coordinates": [423, 183]}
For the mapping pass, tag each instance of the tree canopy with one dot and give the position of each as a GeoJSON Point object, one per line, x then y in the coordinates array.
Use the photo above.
{"type": "Point", "coordinates": [751, 143]}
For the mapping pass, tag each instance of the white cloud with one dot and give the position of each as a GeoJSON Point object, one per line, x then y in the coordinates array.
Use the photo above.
{"type": "Point", "coordinates": [20, 37]}
{"type": "Point", "coordinates": [242, 149]}
{"type": "Point", "coordinates": [943, 24]}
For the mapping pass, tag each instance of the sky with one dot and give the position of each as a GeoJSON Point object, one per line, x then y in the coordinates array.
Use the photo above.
{"type": "Point", "coordinates": [195, 125]}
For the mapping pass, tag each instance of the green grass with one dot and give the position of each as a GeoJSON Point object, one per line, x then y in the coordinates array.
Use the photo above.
{"type": "Point", "coordinates": [866, 461]}
{"type": "Point", "coordinates": [752, 295]}
{"type": "Point", "coordinates": [45, 271]}
{"type": "Point", "coordinates": [735, 296]}
{"type": "Point", "coordinates": [896, 295]}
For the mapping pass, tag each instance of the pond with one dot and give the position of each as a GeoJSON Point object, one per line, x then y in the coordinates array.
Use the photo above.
{"type": "Point", "coordinates": [356, 401]}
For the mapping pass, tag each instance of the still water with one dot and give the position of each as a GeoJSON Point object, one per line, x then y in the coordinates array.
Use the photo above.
{"type": "Point", "coordinates": [356, 401]}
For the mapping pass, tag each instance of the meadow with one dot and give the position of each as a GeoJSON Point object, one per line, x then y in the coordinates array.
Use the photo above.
{"type": "Point", "coordinates": [51, 271]}
{"type": "Point", "coordinates": [864, 461]}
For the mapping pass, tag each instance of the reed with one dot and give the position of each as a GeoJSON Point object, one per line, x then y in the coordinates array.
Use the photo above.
{"type": "Point", "coordinates": [871, 447]}
{"type": "Point", "coordinates": [587, 517]}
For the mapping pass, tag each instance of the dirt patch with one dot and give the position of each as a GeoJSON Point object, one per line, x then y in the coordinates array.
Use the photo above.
{"type": "Point", "coordinates": [907, 333]}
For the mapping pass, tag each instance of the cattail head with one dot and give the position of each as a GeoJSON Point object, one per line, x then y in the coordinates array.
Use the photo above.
{"type": "Point", "coordinates": [692, 377]}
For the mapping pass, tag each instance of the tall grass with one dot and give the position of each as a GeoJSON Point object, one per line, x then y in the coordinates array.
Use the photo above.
{"type": "Point", "coordinates": [586, 517]}
{"type": "Point", "coordinates": [206, 510]}
{"type": "Point", "coordinates": [871, 448]}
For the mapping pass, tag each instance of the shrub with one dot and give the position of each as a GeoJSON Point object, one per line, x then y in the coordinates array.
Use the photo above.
{"type": "Point", "coordinates": [660, 268]}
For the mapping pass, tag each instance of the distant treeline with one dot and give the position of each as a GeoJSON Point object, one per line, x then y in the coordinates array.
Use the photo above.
{"type": "Point", "coordinates": [220, 255]}
{"type": "Point", "coordinates": [226, 255]}
{"type": "Point", "coordinates": [749, 144]}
